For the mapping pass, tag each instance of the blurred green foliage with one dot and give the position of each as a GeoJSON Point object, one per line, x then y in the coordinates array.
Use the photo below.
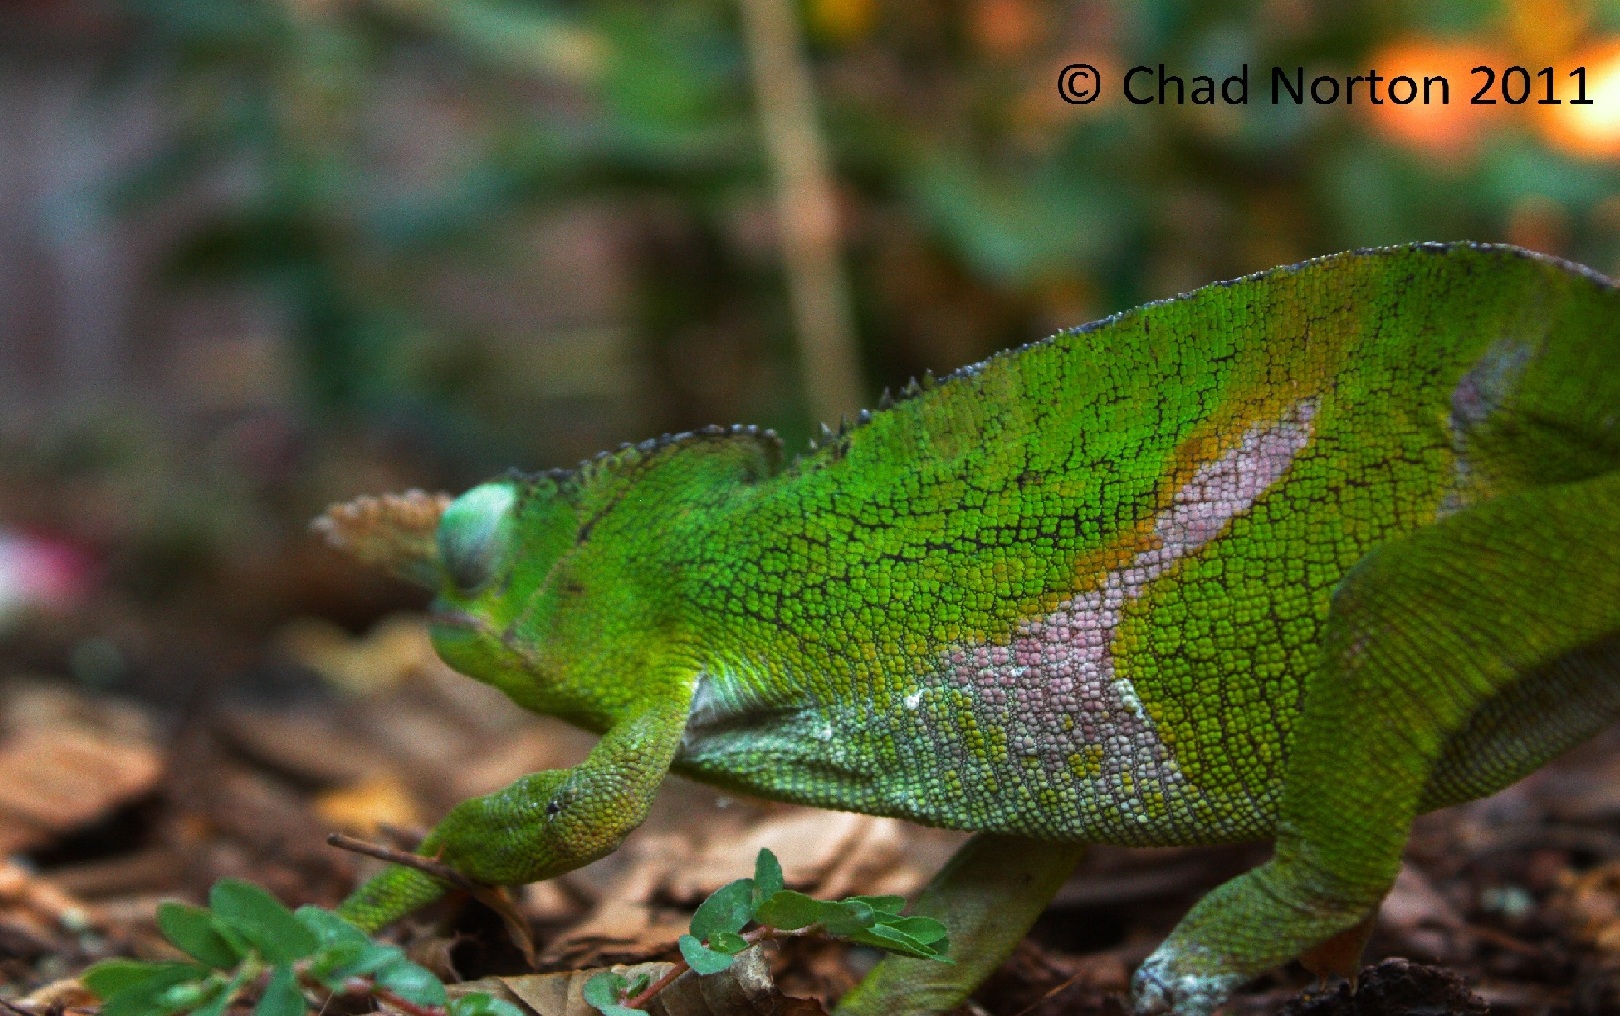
{"type": "Point", "coordinates": [978, 209]}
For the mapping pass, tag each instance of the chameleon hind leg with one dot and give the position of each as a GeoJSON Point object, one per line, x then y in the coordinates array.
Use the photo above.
{"type": "Point", "coordinates": [1422, 635]}
{"type": "Point", "coordinates": [988, 895]}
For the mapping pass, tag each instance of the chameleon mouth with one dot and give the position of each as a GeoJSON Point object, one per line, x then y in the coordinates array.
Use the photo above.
{"type": "Point", "coordinates": [449, 617]}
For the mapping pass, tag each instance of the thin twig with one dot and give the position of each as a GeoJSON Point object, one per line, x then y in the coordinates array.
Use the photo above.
{"type": "Point", "coordinates": [806, 208]}
{"type": "Point", "coordinates": [650, 991]}
{"type": "Point", "coordinates": [427, 865]}
{"type": "Point", "coordinates": [1502, 940]}
{"type": "Point", "coordinates": [405, 1006]}
{"type": "Point", "coordinates": [493, 897]}
{"type": "Point", "coordinates": [1060, 989]}
{"type": "Point", "coordinates": [363, 986]}
{"type": "Point", "coordinates": [405, 839]}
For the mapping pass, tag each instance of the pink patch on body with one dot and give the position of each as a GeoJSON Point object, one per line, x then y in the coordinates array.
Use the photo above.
{"type": "Point", "coordinates": [1053, 687]}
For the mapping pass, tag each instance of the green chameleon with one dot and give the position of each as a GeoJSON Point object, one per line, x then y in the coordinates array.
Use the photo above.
{"type": "Point", "coordinates": [1295, 557]}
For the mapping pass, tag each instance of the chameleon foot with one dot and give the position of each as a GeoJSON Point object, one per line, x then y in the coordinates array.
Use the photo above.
{"type": "Point", "coordinates": [1161, 989]}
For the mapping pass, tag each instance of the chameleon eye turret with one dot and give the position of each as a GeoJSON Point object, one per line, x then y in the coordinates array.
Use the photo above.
{"type": "Point", "coordinates": [474, 535]}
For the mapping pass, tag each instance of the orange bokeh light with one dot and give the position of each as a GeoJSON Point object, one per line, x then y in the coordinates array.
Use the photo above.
{"type": "Point", "coordinates": [1450, 130]}
{"type": "Point", "coordinates": [1589, 131]}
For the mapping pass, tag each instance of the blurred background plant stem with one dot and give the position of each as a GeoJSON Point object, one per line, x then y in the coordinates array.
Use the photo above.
{"type": "Point", "coordinates": [806, 209]}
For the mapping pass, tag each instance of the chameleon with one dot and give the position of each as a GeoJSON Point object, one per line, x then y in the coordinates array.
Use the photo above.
{"type": "Point", "coordinates": [1296, 557]}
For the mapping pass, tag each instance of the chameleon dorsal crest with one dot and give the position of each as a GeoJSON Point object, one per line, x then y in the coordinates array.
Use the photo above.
{"type": "Point", "coordinates": [736, 454]}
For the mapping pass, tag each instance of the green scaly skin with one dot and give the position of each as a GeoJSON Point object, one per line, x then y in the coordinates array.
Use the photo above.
{"type": "Point", "coordinates": [1295, 557]}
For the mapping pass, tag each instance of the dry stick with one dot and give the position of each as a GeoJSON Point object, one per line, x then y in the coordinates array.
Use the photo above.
{"type": "Point", "coordinates": [427, 865]}
{"type": "Point", "coordinates": [806, 208]}
{"type": "Point", "coordinates": [404, 838]}
{"type": "Point", "coordinates": [490, 896]}
{"type": "Point", "coordinates": [410, 1008]}
{"type": "Point", "coordinates": [1060, 989]}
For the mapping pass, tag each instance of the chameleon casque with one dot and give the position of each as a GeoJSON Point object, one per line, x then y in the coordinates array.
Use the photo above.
{"type": "Point", "coordinates": [1296, 557]}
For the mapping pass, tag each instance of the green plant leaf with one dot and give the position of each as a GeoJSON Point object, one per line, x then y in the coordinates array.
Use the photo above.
{"type": "Point", "coordinates": [328, 927]}
{"type": "Point", "coordinates": [109, 977]}
{"type": "Point", "coordinates": [359, 959]}
{"type": "Point", "coordinates": [728, 942]}
{"type": "Point", "coordinates": [281, 996]}
{"type": "Point", "coordinates": [261, 920]}
{"type": "Point", "coordinates": [767, 876]}
{"type": "Point", "coordinates": [185, 995]}
{"type": "Point", "coordinates": [701, 958]}
{"type": "Point", "coordinates": [846, 917]}
{"type": "Point", "coordinates": [222, 1000]}
{"type": "Point", "coordinates": [127, 991]}
{"type": "Point", "coordinates": [790, 910]}
{"type": "Point", "coordinates": [923, 929]}
{"type": "Point", "coordinates": [482, 1003]}
{"type": "Point", "coordinates": [887, 938]}
{"type": "Point", "coordinates": [331, 964]}
{"type": "Point", "coordinates": [605, 992]}
{"type": "Point", "coordinates": [411, 982]}
{"type": "Point", "coordinates": [727, 909]}
{"type": "Point", "coordinates": [192, 930]}
{"type": "Point", "coordinates": [882, 904]}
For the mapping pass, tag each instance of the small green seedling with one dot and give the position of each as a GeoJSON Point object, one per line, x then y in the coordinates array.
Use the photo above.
{"type": "Point", "coordinates": [247, 943]}
{"type": "Point", "coordinates": [717, 936]}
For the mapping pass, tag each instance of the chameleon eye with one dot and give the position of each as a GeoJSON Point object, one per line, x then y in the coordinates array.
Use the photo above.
{"type": "Point", "coordinates": [473, 533]}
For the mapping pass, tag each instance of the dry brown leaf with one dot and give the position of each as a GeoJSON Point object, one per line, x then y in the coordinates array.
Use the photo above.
{"type": "Point", "coordinates": [374, 803]}
{"type": "Point", "coordinates": [557, 994]}
{"type": "Point", "coordinates": [67, 993]}
{"type": "Point", "coordinates": [313, 746]}
{"type": "Point", "coordinates": [828, 854]}
{"type": "Point", "coordinates": [746, 989]}
{"type": "Point", "coordinates": [697, 840]}
{"type": "Point", "coordinates": [625, 922]}
{"type": "Point", "coordinates": [1413, 902]}
{"type": "Point", "coordinates": [20, 888]}
{"type": "Point", "coordinates": [1590, 903]}
{"type": "Point", "coordinates": [36, 915]}
{"type": "Point", "coordinates": [64, 764]}
{"type": "Point", "coordinates": [385, 656]}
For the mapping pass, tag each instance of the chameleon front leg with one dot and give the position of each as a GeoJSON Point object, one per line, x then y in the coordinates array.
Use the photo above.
{"type": "Point", "coordinates": [539, 827]}
{"type": "Point", "coordinates": [1420, 634]}
{"type": "Point", "coordinates": [988, 895]}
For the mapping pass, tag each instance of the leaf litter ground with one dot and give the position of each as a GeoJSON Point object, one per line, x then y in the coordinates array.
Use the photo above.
{"type": "Point", "coordinates": [107, 808]}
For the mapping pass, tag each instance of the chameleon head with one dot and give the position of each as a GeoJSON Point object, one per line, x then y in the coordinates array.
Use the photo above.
{"type": "Point", "coordinates": [491, 557]}
{"type": "Point", "coordinates": [553, 586]}
{"type": "Point", "coordinates": [498, 547]}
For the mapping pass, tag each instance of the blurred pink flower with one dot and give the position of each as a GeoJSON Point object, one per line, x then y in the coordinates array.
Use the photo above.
{"type": "Point", "coordinates": [42, 572]}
